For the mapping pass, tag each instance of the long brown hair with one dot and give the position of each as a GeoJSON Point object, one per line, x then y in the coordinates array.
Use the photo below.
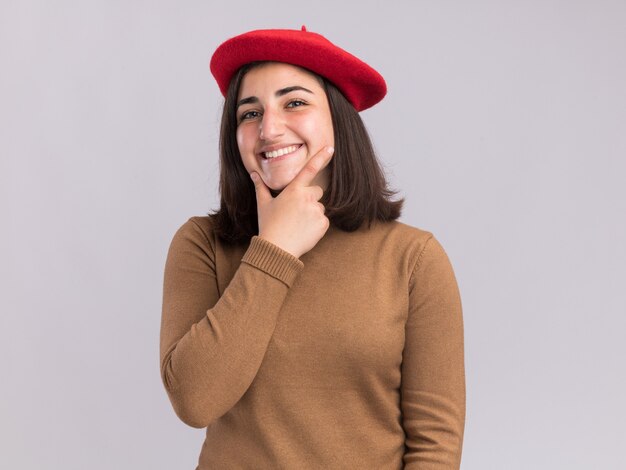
{"type": "Point", "coordinates": [357, 191]}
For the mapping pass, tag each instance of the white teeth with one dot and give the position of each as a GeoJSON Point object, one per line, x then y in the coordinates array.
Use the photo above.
{"type": "Point", "coordinates": [280, 152]}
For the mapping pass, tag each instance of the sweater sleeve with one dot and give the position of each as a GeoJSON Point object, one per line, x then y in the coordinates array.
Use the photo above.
{"type": "Point", "coordinates": [433, 370]}
{"type": "Point", "coordinates": [212, 346]}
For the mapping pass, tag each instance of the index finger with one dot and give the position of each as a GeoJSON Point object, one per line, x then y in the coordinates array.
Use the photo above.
{"type": "Point", "coordinates": [313, 167]}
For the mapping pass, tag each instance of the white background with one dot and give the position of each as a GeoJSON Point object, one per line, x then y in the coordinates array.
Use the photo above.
{"type": "Point", "coordinates": [504, 128]}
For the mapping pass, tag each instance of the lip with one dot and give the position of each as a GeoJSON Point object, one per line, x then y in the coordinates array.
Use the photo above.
{"type": "Point", "coordinates": [271, 148]}
{"type": "Point", "coordinates": [267, 161]}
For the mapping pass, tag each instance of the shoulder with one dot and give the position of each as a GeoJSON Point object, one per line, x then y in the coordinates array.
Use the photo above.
{"type": "Point", "coordinates": [407, 238]}
{"type": "Point", "coordinates": [420, 248]}
{"type": "Point", "coordinates": [197, 231]}
{"type": "Point", "coordinates": [198, 234]}
{"type": "Point", "coordinates": [203, 224]}
{"type": "Point", "coordinates": [427, 257]}
{"type": "Point", "coordinates": [198, 224]}
{"type": "Point", "coordinates": [406, 232]}
{"type": "Point", "coordinates": [395, 245]}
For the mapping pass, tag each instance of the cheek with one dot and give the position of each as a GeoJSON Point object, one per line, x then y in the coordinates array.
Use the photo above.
{"type": "Point", "coordinates": [246, 147]}
{"type": "Point", "coordinates": [240, 139]}
{"type": "Point", "coordinates": [318, 130]}
{"type": "Point", "coordinates": [329, 133]}
{"type": "Point", "coordinates": [326, 129]}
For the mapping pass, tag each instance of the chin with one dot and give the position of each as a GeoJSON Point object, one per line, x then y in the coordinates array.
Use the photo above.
{"type": "Point", "coordinates": [275, 190]}
{"type": "Point", "coordinates": [277, 187]}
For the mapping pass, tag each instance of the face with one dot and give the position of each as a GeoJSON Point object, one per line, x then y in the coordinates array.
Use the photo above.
{"type": "Point", "coordinates": [283, 119]}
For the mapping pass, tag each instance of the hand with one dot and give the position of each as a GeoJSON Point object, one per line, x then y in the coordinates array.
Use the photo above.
{"type": "Point", "coordinates": [294, 220]}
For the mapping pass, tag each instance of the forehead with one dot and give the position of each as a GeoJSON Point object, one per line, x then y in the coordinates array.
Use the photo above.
{"type": "Point", "coordinates": [272, 76]}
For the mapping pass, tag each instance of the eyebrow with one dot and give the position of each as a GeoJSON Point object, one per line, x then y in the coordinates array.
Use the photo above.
{"type": "Point", "coordinates": [278, 94]}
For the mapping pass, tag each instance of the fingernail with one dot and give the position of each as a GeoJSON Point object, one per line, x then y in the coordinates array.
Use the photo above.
{"type": "Point", "coordinates": [254, 176]}
{"type": "Point", "coordinates": [331, 150]}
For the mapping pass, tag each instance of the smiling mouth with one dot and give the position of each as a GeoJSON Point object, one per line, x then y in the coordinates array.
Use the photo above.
{"type": "Point", "coordinates": [280, 152]}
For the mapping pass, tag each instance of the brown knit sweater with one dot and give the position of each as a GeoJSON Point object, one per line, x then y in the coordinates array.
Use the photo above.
{"type": "Point", "coordinates": [350, 357]}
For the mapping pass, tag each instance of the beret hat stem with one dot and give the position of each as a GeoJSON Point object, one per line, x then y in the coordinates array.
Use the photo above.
{"type": "Point", "coordinates": [361, 84]}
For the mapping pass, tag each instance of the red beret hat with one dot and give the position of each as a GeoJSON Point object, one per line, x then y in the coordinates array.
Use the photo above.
{"type": "Point", "coordinates": [361, 84]}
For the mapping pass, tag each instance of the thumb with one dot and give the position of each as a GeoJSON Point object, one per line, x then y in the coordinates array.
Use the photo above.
{"type": "Point", "coordinates": [262, 192]}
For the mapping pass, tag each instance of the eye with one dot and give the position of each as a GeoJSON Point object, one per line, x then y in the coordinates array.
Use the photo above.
{"type": "Point", "coordinates": [249, 115]}
{"type": "Point", "coordinates": [295, 103]}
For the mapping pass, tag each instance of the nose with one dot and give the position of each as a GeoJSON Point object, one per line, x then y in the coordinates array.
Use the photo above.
{"type": "Point", "coordinates": [271, 125]}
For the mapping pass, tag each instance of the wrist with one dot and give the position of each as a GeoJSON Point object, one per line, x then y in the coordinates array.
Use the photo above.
{"type": "Point", "coordinates": [280, 244]}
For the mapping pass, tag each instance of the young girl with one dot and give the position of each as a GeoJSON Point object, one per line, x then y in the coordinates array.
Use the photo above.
{"type": "Point", "coordinates": [302, 324]}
